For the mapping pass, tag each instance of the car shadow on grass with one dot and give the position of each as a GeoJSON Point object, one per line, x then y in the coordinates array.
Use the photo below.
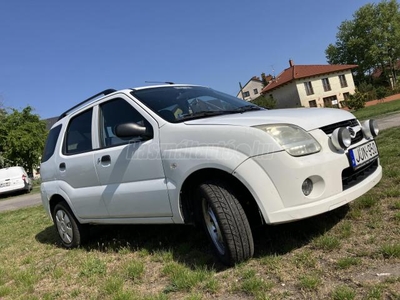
{"type": "Point", "coordinates": [189, 245]}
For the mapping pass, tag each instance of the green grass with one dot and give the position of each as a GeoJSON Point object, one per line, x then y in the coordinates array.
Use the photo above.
{"type": "Point", "coordinates": [324, 257]}
{"type": "Point", "coordinates": [377, 110]}
{"type": "Point", "coordinates": [347, 262]}
{"type": "Point", "coordinates": [343, 293]}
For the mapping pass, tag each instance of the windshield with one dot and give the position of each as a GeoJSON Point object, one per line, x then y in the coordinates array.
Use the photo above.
{"type": "Point", "coordinates": [179, 103]}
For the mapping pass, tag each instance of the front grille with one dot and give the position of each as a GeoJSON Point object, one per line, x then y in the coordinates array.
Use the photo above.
{"type": "Point", "coordinates": [330, 128]}
{"type": "Point", "coordinates": [352, 177]}
{"type": "Point", "coordinates": [349, 123]}
{"type": "Point", "coordinates": [359, 136]}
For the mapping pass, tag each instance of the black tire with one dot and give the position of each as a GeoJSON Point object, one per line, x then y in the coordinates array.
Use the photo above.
{"type": "Point", "coordinates": [225, 223]}
{"type": "Point", "coordinates": [72, 234]}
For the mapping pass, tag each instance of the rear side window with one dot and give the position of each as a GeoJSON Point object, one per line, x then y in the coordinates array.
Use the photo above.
{"type": "Point", "coordinates": [79, 134]}
{"type": "Point", "coordinates": [51, 143]}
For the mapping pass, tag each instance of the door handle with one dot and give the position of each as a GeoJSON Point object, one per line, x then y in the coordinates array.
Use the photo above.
{"type": "Point", "coordinates": [62, 167]}
{"type": "Point", "coordinates": [106, 159]}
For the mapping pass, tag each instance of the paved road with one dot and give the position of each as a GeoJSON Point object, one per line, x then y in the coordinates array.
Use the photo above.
{"type": "Point", "coordinates": [392, 120]}
{"type": "Point", "coordinates": [389, 121]}
{"type": "Point", "coordinates": [20, 201]}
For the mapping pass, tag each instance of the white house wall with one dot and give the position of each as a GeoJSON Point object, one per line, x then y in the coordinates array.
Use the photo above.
{"type": "Point", "coordinates": [286, 96]}
{"type": "Point", "coordinates": [319, 93]}
{"type": "Point", "coordinates": [249, 87]}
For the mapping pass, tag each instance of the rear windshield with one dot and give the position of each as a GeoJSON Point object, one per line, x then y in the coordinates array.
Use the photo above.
{"type": "Point", "coordinates": [51, 143]}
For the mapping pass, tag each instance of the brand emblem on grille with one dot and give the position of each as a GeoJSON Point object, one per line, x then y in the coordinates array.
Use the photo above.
{"type": "Point", "coordinates": [352, 132]}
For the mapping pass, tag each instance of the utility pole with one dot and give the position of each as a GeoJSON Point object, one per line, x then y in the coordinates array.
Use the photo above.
{"type": "Point", "coordinates": [241, 90]}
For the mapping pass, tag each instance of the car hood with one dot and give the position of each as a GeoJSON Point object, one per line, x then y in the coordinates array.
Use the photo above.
{"type": "Point", "coordinates": [306, 118]}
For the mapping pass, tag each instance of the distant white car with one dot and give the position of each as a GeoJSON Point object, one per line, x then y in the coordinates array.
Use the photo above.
{"type": "Point", "coordinates": [14, 179]}
{"type": "Point", "coordinates": [190, 154]}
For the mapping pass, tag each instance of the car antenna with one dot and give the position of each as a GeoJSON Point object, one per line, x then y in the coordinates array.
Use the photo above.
{"type": "Point", "coordinates": [167, 82]}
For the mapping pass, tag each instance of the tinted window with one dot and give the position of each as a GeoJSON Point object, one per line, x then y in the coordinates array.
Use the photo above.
{"type": "Point", "coordinates": [79, 134]}
{"type": "Point", "coordinates": [51, 143]}
{"type": "Point", "coordinates": [179, 103]}
{"type": "Point", "coordinates": [114, 113]}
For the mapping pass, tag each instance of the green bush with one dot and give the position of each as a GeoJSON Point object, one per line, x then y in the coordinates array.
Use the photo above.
{"type": "Point", "coordinates": [357, 100]}
{"type": "Point", "coordinates": [266, 102]}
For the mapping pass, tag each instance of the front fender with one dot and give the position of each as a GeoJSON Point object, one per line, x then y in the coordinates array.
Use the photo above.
{"type": "Point", "coordinates": [179, 164]}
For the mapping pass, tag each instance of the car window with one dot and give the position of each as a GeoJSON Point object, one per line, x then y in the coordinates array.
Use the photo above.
{"type": "Point", "coordinates": [51, 143]}
{"type": "Point", "coordinates": [113, 113]}
{"type": "Point", "coordinates": [79, 133]}
{"type": "Point", "coordinates": [179, 103]}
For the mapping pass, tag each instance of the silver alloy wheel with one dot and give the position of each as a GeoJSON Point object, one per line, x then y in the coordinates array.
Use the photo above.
{"type": "Point", "coordinates": [212, 225]}
{"type": "Point", "coordinates": [64, 226]}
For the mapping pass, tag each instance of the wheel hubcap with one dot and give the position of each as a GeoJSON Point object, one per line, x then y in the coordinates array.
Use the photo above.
{"type": "Point", "coordinates": [213, 229]}
{"type": "Point", "coordinates": [64, 226]}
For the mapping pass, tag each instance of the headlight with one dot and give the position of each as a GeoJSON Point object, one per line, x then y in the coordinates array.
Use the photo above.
{"type": "Point", "coordinates": [295, 140]}
{"type": "Point", "coordinates": [370, 129]}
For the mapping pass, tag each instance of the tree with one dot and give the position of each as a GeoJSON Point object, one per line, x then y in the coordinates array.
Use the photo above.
{"type": "Point", "coordinates": [370, 40]}
{"type": "Point", "coordinates": [3, 115]}
{"type": "Point", "coordinates": [22, 138]}
{"type": "Point", "coordinates": [266, 102]}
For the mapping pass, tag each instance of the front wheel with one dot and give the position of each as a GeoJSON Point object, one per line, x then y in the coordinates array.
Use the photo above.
{"type": "Point", "coordinates": [70, 231]}
{"type": "Point", "coordinates": [225, 223]}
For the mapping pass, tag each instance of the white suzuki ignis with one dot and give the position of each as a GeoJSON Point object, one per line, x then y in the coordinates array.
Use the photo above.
{"type": "Point", "coordinates": [190, 154]}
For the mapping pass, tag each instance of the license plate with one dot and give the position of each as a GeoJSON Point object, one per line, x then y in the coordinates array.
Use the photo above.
{"type": "Point", "coordinates": [4, 184]}
{"type": "Point", "coordinates": [363, 154]}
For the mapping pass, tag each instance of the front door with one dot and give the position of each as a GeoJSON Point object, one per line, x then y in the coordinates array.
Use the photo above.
{"type": "Point", "coordinates": [130, 170]}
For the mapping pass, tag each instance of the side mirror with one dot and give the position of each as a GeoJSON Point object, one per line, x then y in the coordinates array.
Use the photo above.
{"type": "Point", "coordinates": [132, 130]}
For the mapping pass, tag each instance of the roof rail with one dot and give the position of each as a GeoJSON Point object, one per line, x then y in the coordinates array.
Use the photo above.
{"type": "Point", "coordinates": [103, 93]}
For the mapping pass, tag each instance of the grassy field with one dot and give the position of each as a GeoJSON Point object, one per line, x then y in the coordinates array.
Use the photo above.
{"type": "Point", "coordinates": [350, 253]}
{"type": "Point", "coordinates": [378, 110]}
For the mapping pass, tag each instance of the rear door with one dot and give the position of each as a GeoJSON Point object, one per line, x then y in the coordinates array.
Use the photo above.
{"type": "Point", "coordinates": [76, 169]}
{"type": "Point", "coordinates": [130, 169]}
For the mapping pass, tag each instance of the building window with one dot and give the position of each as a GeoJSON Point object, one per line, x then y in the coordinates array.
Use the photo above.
{"type": "Point", "coordinates": [246, 94]}
{"type": "Point", "coordinates": [325, 83]}
{"type": "Point", "coordinates": [312, 103]}
{"type": "Point", "coordinates": [330, 101]}
{"type": "Point", "coordinates": [343, 81]}
{"type": "Point", "coordinates": [308, 87]}
{"type": "Point", "coordinates": [255, 91]}
{"type": "Point", "coordinates": [346, 96]}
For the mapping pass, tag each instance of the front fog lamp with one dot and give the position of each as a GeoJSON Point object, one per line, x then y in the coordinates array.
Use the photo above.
{"type": "Point", "coordinates": [370, 129]}
{"type": "Point", "coordinates": [341, 138]}
{"type": "Point", "coordinates": [307, 186]}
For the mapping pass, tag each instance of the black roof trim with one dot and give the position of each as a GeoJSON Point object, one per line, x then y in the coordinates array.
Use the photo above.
{"type": "Point", "coordinates": [103, 93]}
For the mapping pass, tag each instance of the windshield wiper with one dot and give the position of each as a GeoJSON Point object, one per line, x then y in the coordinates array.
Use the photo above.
{"type": "Point", "coordinates": [246, 108]}
{"type": "Point", "coordinates": [210, 113]}
{"type": "Point", "coordinates": [202, 114]}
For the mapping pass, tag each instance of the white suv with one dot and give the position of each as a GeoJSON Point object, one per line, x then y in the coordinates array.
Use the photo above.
{"type": "Point", "coordinates": [190, 154]}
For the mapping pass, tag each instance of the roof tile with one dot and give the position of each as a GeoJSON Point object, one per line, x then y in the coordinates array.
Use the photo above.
{"type": "Point", "coordinates": [303, 71]}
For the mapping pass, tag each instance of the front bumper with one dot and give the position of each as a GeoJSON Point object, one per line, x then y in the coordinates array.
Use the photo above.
{"type": "Point", "coordinates": [275, 181]}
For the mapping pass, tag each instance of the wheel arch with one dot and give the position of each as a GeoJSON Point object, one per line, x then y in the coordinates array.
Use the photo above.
{"type": "Point", "coordinates": [188, 196]}
{"type": "Point", "coordinates": [54, 200]}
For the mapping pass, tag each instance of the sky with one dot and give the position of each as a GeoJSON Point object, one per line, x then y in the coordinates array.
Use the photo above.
{"type": "Point", "coordinates": [54, 54]}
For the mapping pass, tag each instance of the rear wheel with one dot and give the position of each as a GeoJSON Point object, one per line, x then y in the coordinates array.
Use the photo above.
{"type": "Point", "coordinates": [70, 231]}
{"type": "Point", "coordinates": [225, 223]}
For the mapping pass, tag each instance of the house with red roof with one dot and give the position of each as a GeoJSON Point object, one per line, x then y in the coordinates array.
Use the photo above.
{"type": "Point", "coordinates": [311, 85]}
